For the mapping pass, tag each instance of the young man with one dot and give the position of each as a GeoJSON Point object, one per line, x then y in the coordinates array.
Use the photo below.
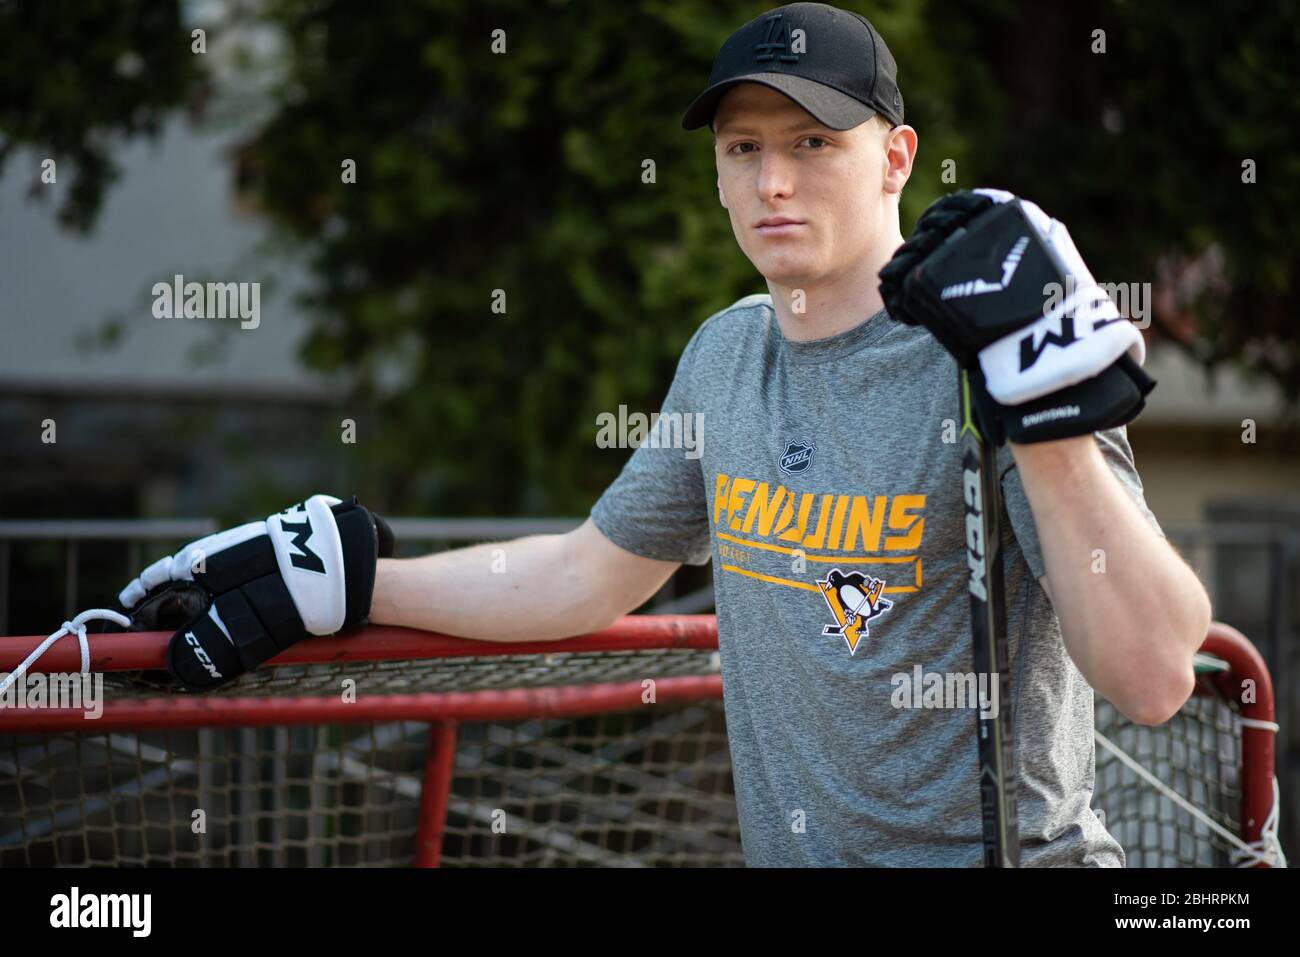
{"type": "Point", "coordinates": [827, 498]}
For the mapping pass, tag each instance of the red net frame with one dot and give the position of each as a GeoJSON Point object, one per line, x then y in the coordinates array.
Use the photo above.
{"type": "Point", "coordinates": [452, 684]}
{"type": "Point", "coordinates": [1257, 741]}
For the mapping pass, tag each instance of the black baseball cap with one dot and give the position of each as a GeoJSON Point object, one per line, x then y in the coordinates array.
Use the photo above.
{"type": "Point", "coordinates": [839, 69]}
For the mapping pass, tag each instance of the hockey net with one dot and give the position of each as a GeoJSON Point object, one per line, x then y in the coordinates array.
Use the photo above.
{"type": "Point", "coordinates": [398, 747]}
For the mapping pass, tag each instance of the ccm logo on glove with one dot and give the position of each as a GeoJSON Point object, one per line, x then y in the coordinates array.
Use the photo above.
{"type": "Point", "coordinates": [202, 655]}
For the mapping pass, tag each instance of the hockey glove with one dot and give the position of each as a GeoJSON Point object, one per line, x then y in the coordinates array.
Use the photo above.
{"type": "Point", "coordinates": [1005, 291]}
{"type": "Point", "coordinates": [240, 597]}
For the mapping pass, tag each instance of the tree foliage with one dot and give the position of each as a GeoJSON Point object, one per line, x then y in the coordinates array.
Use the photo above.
{"type": "Point", "coordinates": [1143, 150]}
{"type": "Point", "coordinates": [524, 172]}
{"type": "Point", "coordinates": [74, 76]}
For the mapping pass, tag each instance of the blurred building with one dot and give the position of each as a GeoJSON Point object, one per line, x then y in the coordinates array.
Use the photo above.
{"type": "Point", "coordinates": [196, 406]}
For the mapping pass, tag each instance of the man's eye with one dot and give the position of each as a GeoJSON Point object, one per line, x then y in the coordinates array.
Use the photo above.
{"type": "Point", "coordinates": [817, 142]}
{"type": "Point", "coordinates": [737, 148]}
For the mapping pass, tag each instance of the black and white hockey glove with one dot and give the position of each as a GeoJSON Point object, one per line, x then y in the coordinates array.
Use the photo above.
{"type": "Point", "coordinates": [239, 597]}
{"type": "Point", "coordinates": [1004, 290]}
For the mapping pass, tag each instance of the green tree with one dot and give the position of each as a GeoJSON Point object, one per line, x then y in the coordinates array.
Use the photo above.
{"type": "Point", "coordinates": [520, 170]}
{"type": "Point", "coordinates": [74, 76]}
{"type": "Point", "coordinates": [523, 171]}
{"type": "Point", "coordinates": [1133, 122]}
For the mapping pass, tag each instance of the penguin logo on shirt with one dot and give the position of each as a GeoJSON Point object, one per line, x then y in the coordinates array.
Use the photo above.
{"type": "Point", "coordinates": [796, 458]}
{"type": "Point", "coordinates": [854, 600]}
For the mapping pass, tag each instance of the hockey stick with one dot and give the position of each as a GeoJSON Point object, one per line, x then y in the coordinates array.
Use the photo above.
{"type": "Point", "coordinates": [982, 496]}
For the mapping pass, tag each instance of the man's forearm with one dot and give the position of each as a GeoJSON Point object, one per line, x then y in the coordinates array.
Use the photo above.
{"type": "Point", "coordinates": [1131, 611]}
{"type": "Point", "coordinates": [525, 589]}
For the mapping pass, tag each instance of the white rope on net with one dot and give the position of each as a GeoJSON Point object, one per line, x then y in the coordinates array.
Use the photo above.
{"type": "Point", "coordinates": [1267, 850]}
{"type": "Point", "coordinates": [77, 626]}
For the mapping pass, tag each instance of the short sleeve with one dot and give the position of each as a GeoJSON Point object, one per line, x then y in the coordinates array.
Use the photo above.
{"type": "Point", "coordinates": [657, 507]}
{"type": "Point", "coordinates": [1118, 455]}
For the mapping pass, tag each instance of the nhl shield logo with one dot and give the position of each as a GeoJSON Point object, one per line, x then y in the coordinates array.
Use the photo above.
{"type": "Point", "coordinates": [796, 458]}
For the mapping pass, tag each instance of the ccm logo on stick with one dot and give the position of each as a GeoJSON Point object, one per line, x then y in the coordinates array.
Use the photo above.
{"type": "Point", "coordinates": [970, 486]}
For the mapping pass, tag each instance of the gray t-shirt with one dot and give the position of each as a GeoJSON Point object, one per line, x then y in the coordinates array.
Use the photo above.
{"type": "Point", "coordinates": [825, 472]}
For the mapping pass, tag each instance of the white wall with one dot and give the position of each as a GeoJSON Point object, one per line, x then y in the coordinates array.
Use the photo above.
{"type": "Point", "coordinates": [171, 212]}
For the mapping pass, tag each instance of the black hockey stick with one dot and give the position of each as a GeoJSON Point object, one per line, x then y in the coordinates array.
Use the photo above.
{"type": "Point", "coordinates": [982, 496]}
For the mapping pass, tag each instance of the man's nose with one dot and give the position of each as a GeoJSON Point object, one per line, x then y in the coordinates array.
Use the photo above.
{"type": "Point", "coordinates": [775, 176]}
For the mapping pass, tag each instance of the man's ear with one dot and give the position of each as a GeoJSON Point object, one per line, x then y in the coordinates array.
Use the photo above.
{"type": "Point", "coordinates": [721, 199]}
{"type": "Point", "coordinates": [900, 153]}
